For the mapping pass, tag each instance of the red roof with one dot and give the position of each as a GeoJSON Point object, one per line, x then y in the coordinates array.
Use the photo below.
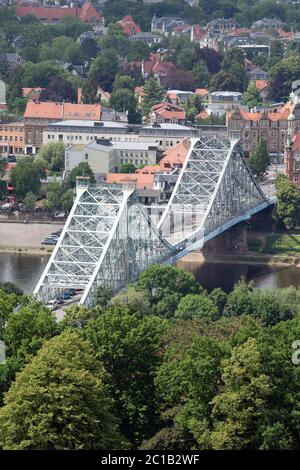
{"type": "Point", "coordinates": [168, 111]}
{"type": "Point", "coordinates": [202, 92]}
{"type": "Point", "coordinates": [261, 84]}
{"type": "Point", "coordinates": [202, 115]}
{"type": "Point", "coordinates": [175, 156]}
{"type": "Point", "coordinates": [129, 26]}
{"type": "Point", "coordinates": [32, 93]}
{"type": "Point", "coordinates": [282, 114]}
{"type": "Point", "coordinates": [141, 180]}
{"type": "Point", "coordinates": [62, 111]}
{"type": "Point", "coordinates": [87, 13]}
{"type": "Point", "coordinates": [155, 65]}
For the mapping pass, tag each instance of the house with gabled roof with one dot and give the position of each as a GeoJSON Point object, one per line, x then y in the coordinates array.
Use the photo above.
{"type": "Point", "coordinates": [38, 115]}
{"type": "Point", "coordinates": [54, 14]}
{"type": "Point", "coordinates": [129, 26]}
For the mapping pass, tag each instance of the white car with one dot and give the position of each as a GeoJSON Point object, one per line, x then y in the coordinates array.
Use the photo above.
{"type": "Point", "coordinates": [52, 304]}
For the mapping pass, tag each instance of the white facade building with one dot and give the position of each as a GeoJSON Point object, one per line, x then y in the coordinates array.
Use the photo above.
{"type": "Point", "coordinates": [104, 156]}
{"type": "Point", "coordinates": [84, 132]}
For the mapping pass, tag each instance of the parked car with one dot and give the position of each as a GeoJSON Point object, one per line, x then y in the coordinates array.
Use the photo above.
{"type": "Point", "coordinates": [71, 292]}
{"type": "Point", "coordinates": [66, 296]}
{"type": "Point", "coordinates": [48, 241]}
{"type": "Point", "coordinates": [52, 304]}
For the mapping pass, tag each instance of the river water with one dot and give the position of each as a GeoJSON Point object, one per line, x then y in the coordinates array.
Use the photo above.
{"type": "Point", "coordinates": [25, 270]}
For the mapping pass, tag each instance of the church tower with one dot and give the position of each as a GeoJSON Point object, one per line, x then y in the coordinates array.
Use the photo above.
{"type": "Point", "coordinates": [288, 148]}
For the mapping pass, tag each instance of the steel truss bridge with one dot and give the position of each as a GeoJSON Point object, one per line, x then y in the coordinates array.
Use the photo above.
{"type": "Point", "coordinates": [109, 237]}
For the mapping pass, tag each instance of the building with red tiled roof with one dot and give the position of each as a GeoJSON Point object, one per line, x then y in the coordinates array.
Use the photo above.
{"type": "Point", "coordinates": [167, 113]}
{"type": "Point", "coordinates": [39, 114]}
{"type": "Point", "coordinates": [140, 180]}
{"type": "Point", "coordinates": [154, 65]}
{"type": "Point", "coordinates": [175, 157]}
{"type": "Point", "coordinates": [202, 92]}
{"type": "Point", "coordinates": [270, 125]}
{"type": "Point", "coordinates": [53, 15]}
{"type": "Point", "coordinates": [129, 26]}
{"type": "Point", "coordinates": [155, 183]}
{"type": "Point", "coordinates": [33, 94]}
{"type": "Point", "coordinates": [202, 116]}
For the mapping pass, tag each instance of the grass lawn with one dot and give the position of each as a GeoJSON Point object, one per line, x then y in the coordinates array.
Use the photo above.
{"type": "Point", "coordinates": [277, 245]}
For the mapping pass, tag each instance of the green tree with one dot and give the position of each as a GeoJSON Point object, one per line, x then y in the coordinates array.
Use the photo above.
{"type": "Point", "coordinates": [104, 295]}
{"type": "Point", "coordinates": [123, 82]}
{"type": "Point", "coordinates": [219, 298]}
{"type": "Point", "coordinates": [153, 94]}
{"type": "Point", "coordinates": [67, 199]}
{"type": "Point", "coordinates": [7, 303]}
{"type": "Point", "coordinates": [186, 382]}
{"type": "Point", "coordinates": [11, 288]}
{"type": "Point", "coordinates": [260, 159]}
{"type": "Point", "coordinates": [201, 75]}
{"type": "Point", "coordinates": [239, 409]}
{"type": "Point", "coordinates": [239, 301]}
{"type": "Point", "coordinates": [62, 48]}
{"type": "Point", "coordinates": [233, 55]}
{"type": "Point", "coordinates": [223, 81]}
{"type": "Point", "coordinates": [24, 332]}
{"type": "Point", "coordinates": [122, 99]}
{"type": "Point", "coordinates": [59, 89]}
{"type": "Point", "coordinates": [251, 96]}
{"type": "Point", "coordinates": [281, 75]}
{"type": "Point", "coordinates": [54, 154]}
{"type": "Point", "coordinates": [196, 306]}
{"type": "Point", "coordinates": [82, 169]}
{"type": "Point", "coordinates": [76, 410]}
{"type": "Point", "coordinates": [29, 201]}
{"type": "Point", "coordinates": [128, 344]}
{"type": "Point", "coordinates": [26, 177]}
{"type": "Point", "coordinates": [136, 300]}
{"type": "Point", "coordinates": [287, 209]}
{"type": "Point", "coordinates": [127, 168]}
{"type": "Point", "coordinates": [101, 74]}
{"type": "Point", "coordinates": [53, 201]}
{"type": "Point", "coordinates": [163, 279]}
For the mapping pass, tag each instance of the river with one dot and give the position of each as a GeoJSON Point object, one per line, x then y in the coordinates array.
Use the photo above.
{"type": "Point", "coordinates": [25, 270]}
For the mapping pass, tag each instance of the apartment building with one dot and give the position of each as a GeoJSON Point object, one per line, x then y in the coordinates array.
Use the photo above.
{"type": "Point", "coordinates": [104, 156]}
{"type": "Point", "coordinates": [12, 141]}
{"type": "Point", "coordinates": [38, 115]}
{"type": "Point", "coordinates": [71, 132]}
{"type": "Point", "coordinates": [271, 125]}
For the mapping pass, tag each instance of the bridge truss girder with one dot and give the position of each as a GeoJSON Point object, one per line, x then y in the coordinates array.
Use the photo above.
{"type": "Point", "coordinates": [214, 186]}
{"type": "Point", "coordinates": [107, 240]}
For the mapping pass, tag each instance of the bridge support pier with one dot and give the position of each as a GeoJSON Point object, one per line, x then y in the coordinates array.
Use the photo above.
{"type": "Point", "coordinates": [231, 241]}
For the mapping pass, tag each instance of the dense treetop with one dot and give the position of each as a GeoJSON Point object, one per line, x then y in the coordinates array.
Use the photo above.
{"type": "Point", "coordinates": [164, 365]}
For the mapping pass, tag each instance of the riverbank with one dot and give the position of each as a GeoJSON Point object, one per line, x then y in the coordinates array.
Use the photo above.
{"type": "Point", "coordinates": [248, 258]}
{"type": "Point", "coordinates": [26, 238]}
